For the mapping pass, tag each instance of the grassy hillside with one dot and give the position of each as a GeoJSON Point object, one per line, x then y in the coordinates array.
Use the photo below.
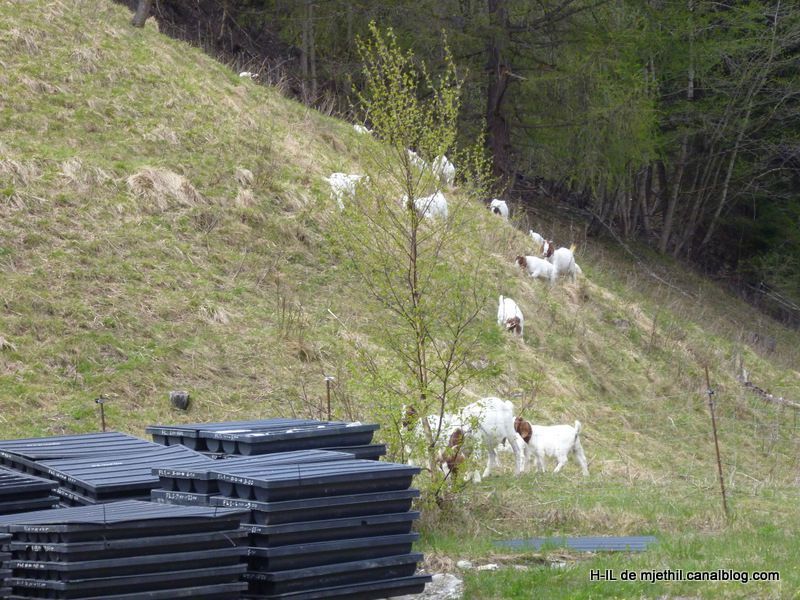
{"type": "Point", "coordinates": [137, 256]}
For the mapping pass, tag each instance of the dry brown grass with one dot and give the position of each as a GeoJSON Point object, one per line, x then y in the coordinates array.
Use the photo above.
{"type": "Point", "coordinates": [164, 188]}
{"type": "Point", "coordinates": [244, 198]}
{"type": "Point", "coordinates": [6, 345]}
{"type": "Point", "coordinates": [20, 172]}
{"type": "Point", "coordinates": [22, 40]}
{"type": "Point", "coordinates": [38, 86]}
{"type": "Point", "coordinates": [215, 315]}
{"type": "Point", "coordinates": [244, 177]}
{"type": "Point", "coordinates": [162, 133]}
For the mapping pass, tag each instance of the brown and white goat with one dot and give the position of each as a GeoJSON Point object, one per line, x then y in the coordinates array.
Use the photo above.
{"type": "Point", "coordinates": [558, 441]}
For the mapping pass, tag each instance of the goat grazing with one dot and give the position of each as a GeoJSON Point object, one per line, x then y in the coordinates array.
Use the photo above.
{"type": "Point", "coordinates": [563, 261]}
{"type": "Point", "coordinates": [361, 129]}
{"type": "Point", "coordinates": [489, 421]}
{"type": "Point", "coordinates": [557, 441]}
{"type": "Point", "coordinates": [343, 184]}
{"type": "Point", "coordinates": [416, 160]}
{"type": "Point", "coordinates": [431, 206]}
{"type": "Point", "coordinates": [538, 268]}
{"type": "Point", "coordinates": [499, 207]}
{"type": "Point", "coordinates": [248, 74]}
{"type": "Point", "coordinates": [444, 170]}
{"type": "Point", "coordinates": [479, 426]}
{"type": "Point", "coordinates": [510, 316]}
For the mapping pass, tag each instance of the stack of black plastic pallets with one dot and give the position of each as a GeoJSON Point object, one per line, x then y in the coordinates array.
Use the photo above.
{"type": "Point", "coordinates": [5, 572]}
{"type": "Point", "coordinates": [20, 492]}
{"type": "Point", "coordinates": [334, 529]}
{"type": "Point", "coordinates": [196, 486]}
{"type": "Point", "coordinates": [96, 468]}
{"type": "Point", "coordinates": [124, 551]}
{"type": "Point", "coordinates": [248, 438]}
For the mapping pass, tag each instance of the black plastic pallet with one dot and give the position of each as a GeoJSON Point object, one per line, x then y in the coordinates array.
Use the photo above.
{"type": "Point", "coordinates": [189, 434]}
{"type": "Point", "coordinates": [295, 482]}
{"type": "Point", "coordinates": [128, 565]}
{"type": "Point", "coordinates": [344, 573]}
{"type": "Point", "coordinates": [366, 452]}
{"type": "Point", "coordinates": [116, 476]}
{"type": "Point", "coordinates": [225, 591]}
{"type": "Point", "coordinates": [302, 437]}
{"type": "Point", "coordinates": [28, 504]}
{"type": "Point", "coordinates": [106, 549]}
{"type": "Point", "coordinates": [361, 591]}
{"type": "Point", "coordinates": [70, 446]}
{"type": "Point", "coordinates": [103, 587]}
{"type": "Point", "coordinates": [117, 520]}
{"type": "Point", "coordinates": [300, 556]}
{"type": "Point", "coordinates": [19, 486]}
{"type": "Point", "coordinates": [334, 507]}
{"type": "Point", "coordinates": [332, 529]}
{"type": "Point", "coordinates": [203, 480]}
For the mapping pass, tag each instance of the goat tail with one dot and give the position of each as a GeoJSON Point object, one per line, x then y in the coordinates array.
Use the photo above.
{"type": "Point", "coordinates": [577, 428]}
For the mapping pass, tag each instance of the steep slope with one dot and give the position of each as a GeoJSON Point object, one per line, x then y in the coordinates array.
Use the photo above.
{"type": "Point", "coordinates": [137, 255]}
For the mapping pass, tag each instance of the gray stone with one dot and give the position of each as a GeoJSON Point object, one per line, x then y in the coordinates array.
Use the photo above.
{"type": "Point", "coordinates": [443, 587]}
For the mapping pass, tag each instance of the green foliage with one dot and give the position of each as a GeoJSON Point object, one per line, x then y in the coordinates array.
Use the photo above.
{"type": "Point", "coordinates": [421, 273]}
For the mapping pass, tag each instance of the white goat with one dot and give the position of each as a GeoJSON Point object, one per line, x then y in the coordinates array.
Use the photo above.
{"type": "Point", "coordinates": [431, 206]}
{"type": "Point", "coordinates": [417, 160]}
{"type": "Point", "coordinates": [510, 316]}
{"type": "Point", "coordinates": [557, 441]}
{"type": "Point", "coordinates": [499, 207]}
{"type": "Point", "coordinates": [488, 422]}
{"type": "Point", "coordinates": [412, 422]}
{"type": "Point", "coordinates": [444, 170]}
{"type": "Point", "coordinates": [248, 74]}
{"type": "Point", "coordinates": [537, 238]}
{"type": "Point", "coordinates": [343, 184]}
{"type": "Point", "coordinates": [482, 425]}
{"type": "Point", "coordinates": [361, 129]}
{"type": "Point", "coordinates": [538, 268]}
{"type": "Point", "coordinates": [563, 261]}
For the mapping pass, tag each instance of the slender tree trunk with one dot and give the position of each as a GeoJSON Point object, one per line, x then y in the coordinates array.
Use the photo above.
{"type": "Point", "coordinates": [304, 43]}
{"type": "Point", "coordinates": [499, 136]}
{"type": "Point", "coordinates": [723, 198]}
{"type": "Point", "coordinates": [644, 198]}
{"type": "Point", "coordinates": [142, 13]}
{"type": "Point", "coordinates": [669, 216]}
{"type": "Point", "coordinates": [312, 50]}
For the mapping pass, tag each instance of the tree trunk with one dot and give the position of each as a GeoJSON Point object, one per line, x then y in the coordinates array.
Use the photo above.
{"type": "Point", "coordinates": [142, 13]}
{"type": "Point", "coordinates": [312, 51]}
{"type": "Point", "coordinates": [499, 138]}
{"type": "Point", "coordinates": [723, 198]}
{"type": "Point", "coordinates": [669, 216]}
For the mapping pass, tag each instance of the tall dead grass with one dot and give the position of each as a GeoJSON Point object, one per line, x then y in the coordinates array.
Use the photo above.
{"type": "Point", "coordinates": [164, 189]}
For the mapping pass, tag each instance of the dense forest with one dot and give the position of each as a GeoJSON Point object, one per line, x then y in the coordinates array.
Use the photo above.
{"type": "Point", "coordinates": [675, 124]}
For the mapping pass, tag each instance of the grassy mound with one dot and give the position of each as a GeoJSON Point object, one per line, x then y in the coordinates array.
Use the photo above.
{"type": "Point", "coordinates": [164, 225]}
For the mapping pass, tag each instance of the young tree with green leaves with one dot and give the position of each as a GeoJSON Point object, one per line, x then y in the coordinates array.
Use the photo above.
{"type": "Point", "coordinates": [423, 271]}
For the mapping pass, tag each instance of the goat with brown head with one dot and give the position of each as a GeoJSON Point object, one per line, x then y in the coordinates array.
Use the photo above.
{"type": "Point", "coordinates": [410, 417]}
{"type": "Point", "coordinates": [453, 456]}
{"type": "Point", "coordinates": [513, 325]}
{"type": "Point", "coordinates": [523, 428]}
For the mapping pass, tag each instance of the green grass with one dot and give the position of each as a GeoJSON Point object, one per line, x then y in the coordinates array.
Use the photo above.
{"type": "Point", "coordinates": [242, 300]}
